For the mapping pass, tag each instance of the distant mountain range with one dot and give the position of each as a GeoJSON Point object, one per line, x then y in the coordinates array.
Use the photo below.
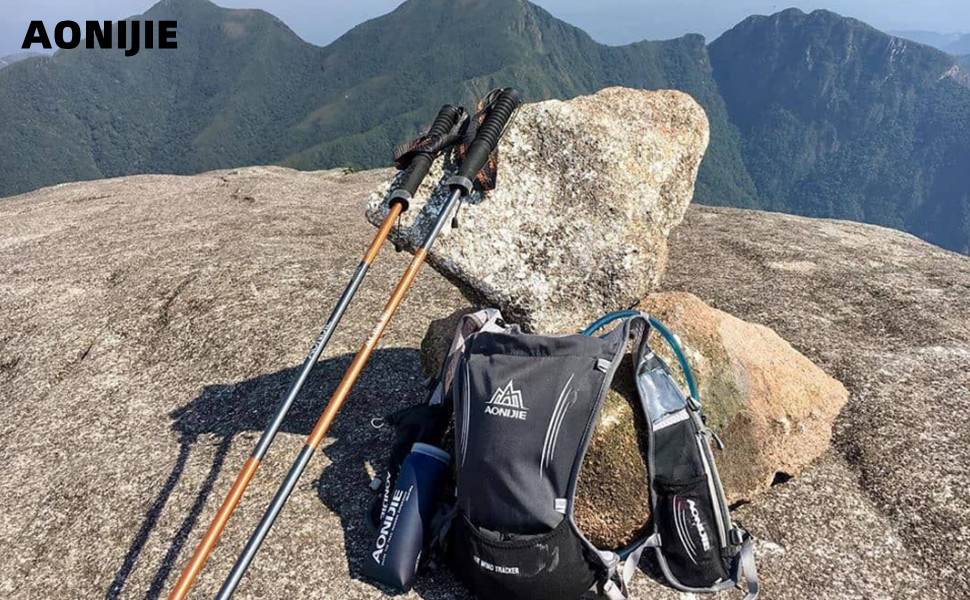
{"type": "Point", "coordinates": [960, 47]}
{"type": "Point", "coordinates": [242, 88]}
{"type": "Point", "coordinates": [811, 114]}
{"type": "Point", "coordinates": [841, 120]}
{"type": "Point", "coordinates": [957, 44]}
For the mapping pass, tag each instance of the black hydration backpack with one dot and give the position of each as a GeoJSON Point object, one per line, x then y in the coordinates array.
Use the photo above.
{"type": "Point", "coordinates": [524, 409]}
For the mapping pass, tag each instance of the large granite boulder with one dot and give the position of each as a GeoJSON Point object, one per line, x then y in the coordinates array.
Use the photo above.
{"type": "Point", "coordinates": [588, 191]}
{"type": "Point", "coordinates": [770, 405]}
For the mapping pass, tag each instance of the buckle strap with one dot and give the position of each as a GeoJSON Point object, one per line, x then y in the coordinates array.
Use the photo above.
{"type": "Point", "coordinates": [623, 573]}
{"type": "Point", "coordinates": [440, 526]}
{"type": "Point", "coordinates": [745, 566]}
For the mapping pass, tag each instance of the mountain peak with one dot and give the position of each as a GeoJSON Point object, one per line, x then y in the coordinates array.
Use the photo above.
{"type": "Point", "coordinates": [187, 4]}
{"type": "Point", "coordinates": [237, 23]}
{"type": "Point", "coordinates": [795, 18]}
{"type": "Point", "coordinates": [184, 9]}
{"type": "Point", "coordinates": [169, 5]}
{"type": "Point", "coordinates": [790, 13]}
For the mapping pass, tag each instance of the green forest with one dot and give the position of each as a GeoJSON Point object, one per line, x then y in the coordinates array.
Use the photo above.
{"type": "Point", "coordinates": [812, 114]}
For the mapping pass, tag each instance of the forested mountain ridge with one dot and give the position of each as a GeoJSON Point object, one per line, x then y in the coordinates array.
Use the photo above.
{"type": "Point", "coordinates": [6, 61]}
{"type": "Point", "coordinates": [244, 89]}
{"type": "Point", "coordinates": [841, 120]}
{"type": "Point", "coordinates": [499, 42]}
{"type": "Point", "coordinates": [227, 95]}
{"type": "Point", "coordinates": [811, 114]}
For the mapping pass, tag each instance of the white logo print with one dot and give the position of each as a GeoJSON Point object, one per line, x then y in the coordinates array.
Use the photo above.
{"type": "Point", "coordinates": [687, 517]}
{"type": "Point", "coordinates": [507, 402]}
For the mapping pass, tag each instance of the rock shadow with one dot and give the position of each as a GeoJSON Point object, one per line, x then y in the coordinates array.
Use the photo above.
{"type": "Point", "coordinates": [390, 382]}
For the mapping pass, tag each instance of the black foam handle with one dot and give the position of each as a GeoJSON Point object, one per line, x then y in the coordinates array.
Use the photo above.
{"type": "Point", "coordinates": [489, 133]}
{"type": "Point", "coordinates": [421, 163]}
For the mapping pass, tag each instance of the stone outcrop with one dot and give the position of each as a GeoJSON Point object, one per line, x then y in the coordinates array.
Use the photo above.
{"type": "Point", "coordinates": [152, 322]}
{"type": "Point", "coordinates": [772, 407]}
{"type": "Point", "coordinates": [588, 191]}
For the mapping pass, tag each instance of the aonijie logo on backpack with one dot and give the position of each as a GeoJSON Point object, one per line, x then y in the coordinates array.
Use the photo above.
{"type": "Point", "coordinates": [507, 402]}
{"type": "Point", "coordinates": [687, 517]}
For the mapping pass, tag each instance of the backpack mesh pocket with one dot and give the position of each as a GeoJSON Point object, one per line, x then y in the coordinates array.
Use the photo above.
{"type": "Point", "coordinates": [689, 536]}
{"type": "Point", "coordinates": [549, 566]}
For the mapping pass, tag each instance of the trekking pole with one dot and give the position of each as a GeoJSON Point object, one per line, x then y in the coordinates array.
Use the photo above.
{"type": "Point", "coordinates": [476, 157]}
{"type": "Point", "coordinates": [417, 170]}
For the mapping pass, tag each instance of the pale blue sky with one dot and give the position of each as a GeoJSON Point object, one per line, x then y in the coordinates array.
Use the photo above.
{"type": "Point", "coordinates": [609, 21]}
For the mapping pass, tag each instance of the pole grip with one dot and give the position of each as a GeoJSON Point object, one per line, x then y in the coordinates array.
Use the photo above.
{"type": "Point", "coordinates": [421, 163]}
{"type": "Point", "coordinates": [489, 133]}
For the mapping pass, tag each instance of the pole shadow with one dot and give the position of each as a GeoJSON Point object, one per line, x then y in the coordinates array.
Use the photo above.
{"type": "Point", "coordinates": [390, 382]}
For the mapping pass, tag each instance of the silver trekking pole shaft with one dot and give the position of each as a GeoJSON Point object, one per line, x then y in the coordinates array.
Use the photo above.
{"type": "Point", "coordinates": [461, 186]}
{"type": "Point", "coordinates": [448, 116]}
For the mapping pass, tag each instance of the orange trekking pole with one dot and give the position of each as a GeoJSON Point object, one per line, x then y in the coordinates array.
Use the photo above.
{"type": "Point", "coordinates": [486, 139]}
{"type": "Point", "coordinates": [444, 125]}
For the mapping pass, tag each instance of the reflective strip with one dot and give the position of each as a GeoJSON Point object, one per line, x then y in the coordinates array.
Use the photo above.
{"type": "Point", "coordinates": [683, 532]}
{"type": "Point", "coordinates": [552, 431]}
{"type": "Point", "coordinates": [670, 419]}
{"type": "Point", "coordinates": [713, 490]}
{"type": "Point", "coordinates": [465, 401]}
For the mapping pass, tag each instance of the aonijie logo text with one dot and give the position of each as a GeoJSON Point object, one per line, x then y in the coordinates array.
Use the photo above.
{"type": "Point", "coordinates": [392, 510]}
{"type": "Point", "coordinates": [507, 402]}
{"type": "Point", "coordinates": [687, 518]}
{"type": "Point", "coordinates": [130, 36]}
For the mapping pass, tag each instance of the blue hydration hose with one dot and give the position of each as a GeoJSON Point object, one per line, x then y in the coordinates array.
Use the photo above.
{"type": "Point", "coordinates": [663, 331]}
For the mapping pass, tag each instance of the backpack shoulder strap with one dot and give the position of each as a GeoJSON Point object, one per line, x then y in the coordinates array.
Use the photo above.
{"type": "Point", "coordinates": [663, 404]}
{"type": "Point", "coordinates": [487, 319]}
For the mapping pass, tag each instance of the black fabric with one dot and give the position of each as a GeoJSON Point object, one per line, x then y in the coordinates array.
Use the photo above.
{"type": "Point", "coordinates": [685, 507]}
{"type": "Point", "coordinates": [523, 405]}
{"type": "Point", "coordinates": [524, 408]}
{"type": "Point", "coordinates": [524, 344]}
{"type": "Point", "coordinates": [688, 533]}
{"type": "Point", "coordinates": [549, 566]}
{"type": "Point", "coordinates": [675, 453]}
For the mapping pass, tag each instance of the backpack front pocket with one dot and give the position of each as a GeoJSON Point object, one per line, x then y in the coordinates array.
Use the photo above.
{"type": "Point", "coordinates": [689, 533]}
{"type": "Point", "coordinates": [549, 566]}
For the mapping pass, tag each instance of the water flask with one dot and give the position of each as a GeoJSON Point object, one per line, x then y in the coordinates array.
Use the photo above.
{"type": "Point", "coordinates": [408, 506]}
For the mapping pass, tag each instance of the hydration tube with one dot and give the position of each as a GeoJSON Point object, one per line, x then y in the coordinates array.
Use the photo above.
{"type": "Point", "coordinates": [664, 333]}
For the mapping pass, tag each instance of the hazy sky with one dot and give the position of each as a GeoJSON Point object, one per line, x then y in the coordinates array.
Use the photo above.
{"type": "Point", "coordinates": [609, 21]}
